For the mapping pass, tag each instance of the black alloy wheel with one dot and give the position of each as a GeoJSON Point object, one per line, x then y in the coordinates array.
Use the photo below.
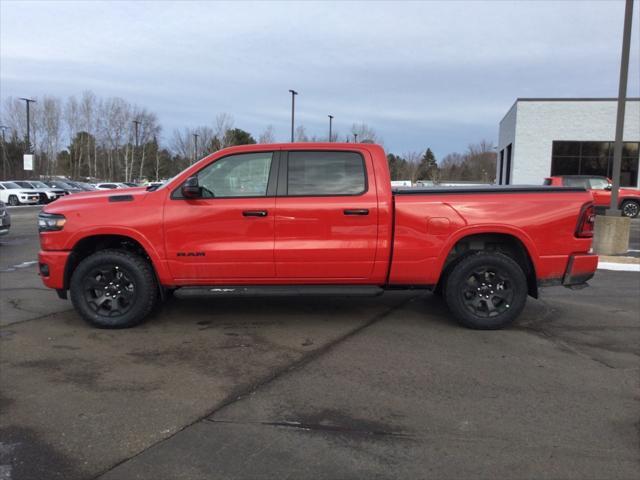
{"type": "Point", "coordinates": [630, 208]}
{"type": "Point", "coordinates": [486, 290]}
{"type": "Point", "coordinates": [109, 290]}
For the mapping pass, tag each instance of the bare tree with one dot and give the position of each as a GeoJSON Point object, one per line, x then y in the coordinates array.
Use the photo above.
{"type": "Point", "coordinates": [51, 119]}
{"type": "Point", "coordinates": [267, 136]}
{"type": "Point", "coordinates": [413, 161]}
{"type": "Point", "coordinates": [301, 134]}
{"type": "Point", "coordinates": [365, 133]}
{"type": "Point", "coordinates": [223, 124]}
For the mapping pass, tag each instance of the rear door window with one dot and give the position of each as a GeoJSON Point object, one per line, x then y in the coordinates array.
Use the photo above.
{"type": "Point", "coordinates": [326, 174]}
{"type": "Point", "coordinates": [575, 182]}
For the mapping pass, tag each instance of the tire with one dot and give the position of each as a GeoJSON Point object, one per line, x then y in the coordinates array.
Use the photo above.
{"type": "Point", "coordinates": [486, 291]}
{"type": "Point", "coordinates": [114, 289]}
{"type": "Point", "coordinates": [13, 201]}
{"type": "Point", "coordinates": [630, 208]}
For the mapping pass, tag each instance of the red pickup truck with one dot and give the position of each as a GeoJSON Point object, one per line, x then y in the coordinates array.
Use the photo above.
{"type": "Point", "coordinates": [316, 218]}
{"type": "Point", "coordinates": [600, 187]}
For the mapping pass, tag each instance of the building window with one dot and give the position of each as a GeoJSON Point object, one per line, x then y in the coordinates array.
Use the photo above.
{"type": "Point", "coordinates": [501, 167]}
{"type": "Point", "coordinates": [594, 158]}
{"type": "Point", "coordinates": [507, 175]}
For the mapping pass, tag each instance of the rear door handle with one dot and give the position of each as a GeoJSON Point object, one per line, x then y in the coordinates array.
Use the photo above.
{"type": "Point", "coordinates": [357, 211]}
{"type": "Point", "coordinates": [255, 213]}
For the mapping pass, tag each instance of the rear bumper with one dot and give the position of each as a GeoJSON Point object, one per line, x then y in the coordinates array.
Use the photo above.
{"type": "Point", "coordinates": [580, 268]}
{"type": "Point", "coordinates": [52, 265]}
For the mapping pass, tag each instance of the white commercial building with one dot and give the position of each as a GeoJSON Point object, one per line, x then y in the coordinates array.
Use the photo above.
{"type": "Point", "coordinates": [540, 137]}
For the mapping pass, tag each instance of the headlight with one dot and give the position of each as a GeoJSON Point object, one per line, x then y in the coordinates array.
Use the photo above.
{"type": "Point", "coordinates": [50, 222]}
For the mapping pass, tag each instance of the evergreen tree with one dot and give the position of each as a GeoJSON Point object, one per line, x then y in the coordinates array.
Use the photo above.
{"type": "Point", "coordinates": [427, 167]}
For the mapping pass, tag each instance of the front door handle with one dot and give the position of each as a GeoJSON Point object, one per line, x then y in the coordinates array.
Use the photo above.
{"type": "Point", "coordinates": [255, 213]}
{"type": "Point", "coordinates": [357, 211]}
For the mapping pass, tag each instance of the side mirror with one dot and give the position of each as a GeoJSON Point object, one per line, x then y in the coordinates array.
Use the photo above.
{"type": "Point", "coordinates": [608, 187]}
{"type": "Point", "coordinates": [191, 189]}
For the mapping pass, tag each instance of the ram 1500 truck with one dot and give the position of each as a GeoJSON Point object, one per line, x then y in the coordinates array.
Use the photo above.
{"type": "Point", "coordinates": [316, 218]}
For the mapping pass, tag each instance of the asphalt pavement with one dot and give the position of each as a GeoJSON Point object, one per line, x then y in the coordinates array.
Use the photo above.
{"type": "Point", "coordinates": [384, 387]}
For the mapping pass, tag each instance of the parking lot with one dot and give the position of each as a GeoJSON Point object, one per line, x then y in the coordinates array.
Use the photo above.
{"type": "Point", "coordinates": [384, 387]}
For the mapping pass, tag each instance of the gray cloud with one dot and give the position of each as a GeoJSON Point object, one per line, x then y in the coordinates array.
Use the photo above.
{"type": "Point", "coordinates": [437, 74]}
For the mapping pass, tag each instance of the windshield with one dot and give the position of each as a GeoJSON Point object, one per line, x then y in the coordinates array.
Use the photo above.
{"type": "Point", "coordinates": [10, 185]}
{"type": "Point", "coordinates": [60, 185]}
{"type": "Point", "coordinates": [39, 185]}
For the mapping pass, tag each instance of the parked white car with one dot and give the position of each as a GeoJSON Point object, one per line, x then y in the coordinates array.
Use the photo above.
{"type": "Point", "coordinates": [47, 193]}
{"type": "Point", "coordinates": [110, 186]}
{"type": "Point", "coordinates": [13, 194]}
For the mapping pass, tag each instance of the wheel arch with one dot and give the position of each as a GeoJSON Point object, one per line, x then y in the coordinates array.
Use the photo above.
{"type": "Point", "coordinates": [89, 244]}
{"type": "Point", "coordinates": [513, 244]}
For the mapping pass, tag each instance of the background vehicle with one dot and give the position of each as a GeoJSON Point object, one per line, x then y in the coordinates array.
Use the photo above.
{"type": "Point", "coordinates": [47, 194]}
{"type": "Point", "coordinates": [13, 194]}
{"type": "Point", "coordinates": [63, 186]}
{"type": "Point", "coordinates": [315, 218]}
{"type": "Point", "coordinates": [600, 187]}
{"type": "Point", "coordinates": [110, 186]}
{"type": "Point", "coordinates": [5, 219]}
{"type": "Point", "coordinates": [130, 184]}
{"type": "Point", "coordinates": [85, 187]}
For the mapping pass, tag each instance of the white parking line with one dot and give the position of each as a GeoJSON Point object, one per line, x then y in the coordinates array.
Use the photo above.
{"type": "Point", "coordinates": [623, 267]}
{"type": "Point", "coordinates": [13, 268]}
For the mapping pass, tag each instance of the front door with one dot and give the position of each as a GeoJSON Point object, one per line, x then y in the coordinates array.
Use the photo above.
{"type": "Point", "coordinates": [228, 235]}
{"type": "Point", "coordinates": [327, 217]}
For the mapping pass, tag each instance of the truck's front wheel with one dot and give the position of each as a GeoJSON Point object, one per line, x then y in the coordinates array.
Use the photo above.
{"type": "Point", "coordinates": [113, 289]}
{"type": "Point", "coordinates": [486, 290]}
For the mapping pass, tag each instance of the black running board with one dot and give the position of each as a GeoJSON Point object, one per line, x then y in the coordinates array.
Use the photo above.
{"type": "Point", "coordinates": [286, 290]}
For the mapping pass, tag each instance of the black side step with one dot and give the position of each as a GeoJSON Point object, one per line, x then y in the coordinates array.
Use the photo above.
{"type": "Point", "coordinates": [286, 290]}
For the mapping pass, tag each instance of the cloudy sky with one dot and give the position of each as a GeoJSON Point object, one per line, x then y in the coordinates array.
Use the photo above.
{"type": "Point", "coordinates": [439, 74]}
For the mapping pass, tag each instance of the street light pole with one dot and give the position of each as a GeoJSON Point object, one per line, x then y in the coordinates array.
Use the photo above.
{"type": "Point", "coordinates": [355, 138]}
{"type": "Point", "coordinates": [28, 101]}
{"type": "Point", "coordinates": [293, 110]}
{"type": "Point", "coordinates": [4, 153]}
{"type": "Point", "coordinates": [622, 98]}
{"type": "Point", "coordinates": [330, 125]}
{"type": "Point", "coordinates": [195, 147]}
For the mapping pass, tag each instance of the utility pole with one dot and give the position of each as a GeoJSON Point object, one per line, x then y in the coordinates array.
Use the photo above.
{"type": "Point", "coordinates": [4, 153]}
{"type": "Point", "coordinates": [28, 101]}
{"type": "Point", "coordinates": [622, 99]}
{"type": "Point", "coordinates": [293, 111]}
{"type": "Point", "coordinates": [195, 148]}
{"type": "Point", "coordinates": [330, 125]}
{"type": "Point", "coordinates": [355, 138]}
{"type": "Point", "coordinates": [136, 124]}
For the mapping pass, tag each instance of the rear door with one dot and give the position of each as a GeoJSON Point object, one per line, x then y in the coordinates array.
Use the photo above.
{"type": "Point", "coordinates": [326, 217]}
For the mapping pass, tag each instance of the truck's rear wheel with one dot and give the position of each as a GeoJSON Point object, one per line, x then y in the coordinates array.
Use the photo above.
{"type": "Point", "coordinates": [486, 290]}
{"type": "Point", "coordinates": [113, 289]}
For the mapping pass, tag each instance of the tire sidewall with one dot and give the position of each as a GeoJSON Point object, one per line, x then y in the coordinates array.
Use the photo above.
{"type": "Point", "coordinates": [13, 201]}
{"type": "Point", "coordinates": [461, 272]}
{"type": "Point", "coordinates": [138, 271]}
{"type": "Point", "coordinates": [627, 202]}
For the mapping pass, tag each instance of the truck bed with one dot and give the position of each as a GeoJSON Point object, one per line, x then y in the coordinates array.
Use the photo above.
{"type": "Point", "coordinates": [483, 189]}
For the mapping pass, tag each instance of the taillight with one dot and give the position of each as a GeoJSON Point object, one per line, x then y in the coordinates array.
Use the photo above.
{"type": "Point", "coordinates": [586, 221]}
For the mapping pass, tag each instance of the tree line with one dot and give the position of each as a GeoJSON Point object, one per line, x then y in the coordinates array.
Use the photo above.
{"type": "Point", "coordinates": [89, 137]}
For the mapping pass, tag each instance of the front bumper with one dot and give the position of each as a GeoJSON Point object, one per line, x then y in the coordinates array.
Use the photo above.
{"type": "Point", "coordinates": [580, 268]}
{"type": "Point", "coordinates": [29, 199]}
{"type": "Point", "coordinates": [52, 266]}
